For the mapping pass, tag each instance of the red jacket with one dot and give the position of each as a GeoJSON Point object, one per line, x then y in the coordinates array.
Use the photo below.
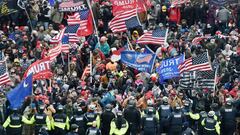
{"type": "Point", "coordinates": [174, 14]}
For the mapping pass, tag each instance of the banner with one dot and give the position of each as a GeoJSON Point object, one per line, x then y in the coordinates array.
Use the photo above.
{"type": "Point", "coordinates": [72, 5]}
{"type": "Point", "coordinates": [140, 61]}
{"type": "Point", "coordinates": [119, 6]}
{"type": "Point", "coordinates": [17, 95]}
{"type": "Point", "coordinates": [218, 2]}
{"type": "Point", "coordinates": [222, 2]}
{"type": "Point", "coordinates": [41, 69]}
{"type": "Point", "coordinates": [169, 68]}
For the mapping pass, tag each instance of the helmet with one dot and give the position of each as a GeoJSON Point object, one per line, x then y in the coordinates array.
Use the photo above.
{"type": "Point", "coordinates": [108, 107]}
{"type": "Point", "coordinates": [177, 107]}
{"type": "Point", "coordinates": [229, 102]}
{"type": "Point", "coordinates": [59, 107]}
{"type": "Point", "coordinates": [92, 107]}
{"type": "Point", "coordinates": [119, 114]}
{"type": "Point", "coordinates": [149, 102]}
{"type": "Point", "coordinates": [150, 111]}
{"type": "Point", "coordinates": [74, 126]}
{"type": "Point", "coordinates": [79, 111]}
{"type": "Point", "coordinates": [211, 113]}
{"type": "Point", "coordinates": [165, 100]}
{"type": "Point", "coordinates": [186, 103]}
{"type": "Point", "coordinates": [15, 110]}
{"type": "Point", "coordinates": [214, 106]}
{"type": "Point", "coordinates": [41, 108]}
{"type": "Point", "coordinates": [131, 103]}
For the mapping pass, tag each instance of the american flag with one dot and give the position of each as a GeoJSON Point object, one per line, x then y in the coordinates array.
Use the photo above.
{"type": "Point", "coordinates": [65, 44]}
{"type": "Point", "coordinates": [153, 37]}
{"type": "Point", "coordinates": [4, 76]}
{"type": "Point", "coordinates": [56, 39]}
{"type": "Point", "coordinates": [198, 63]}
{"type": "Point", "coordinates": [55, 51]}
{"type": "Point", "coordinates": [71, 31]}
{"type": "Point", "coordinates": [185, 80]}
{"type": "Point", "coordinates": [179, 2]}
{"type": "Point", "coordinates": [124, 21]}
{"type": "Point", "coordinates": [79, 18]}
{"type": "Point", "coordinates": [197, 40]}
{"type": "Point", "coordinates": [205, 79]}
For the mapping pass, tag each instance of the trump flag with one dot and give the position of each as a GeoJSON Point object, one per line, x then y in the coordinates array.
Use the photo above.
{"type": "Point", "coordinates": [140, 61]}
{"type": "Point", "coordinates": [169, 68]}
{"type": "Point", "coordinates": [40, 69]}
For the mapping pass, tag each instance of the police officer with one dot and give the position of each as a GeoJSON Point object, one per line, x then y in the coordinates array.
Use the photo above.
{"type": "Point", "coordinates": [74, 130]}
{"type": "Point", "coordinates": [133, 116]}
{"type": "Point", "coordinates": [91, 116]}
{"type": "Point", "coordinates": [229, 114]}
{"type": "Point", "coordinates": [106, 117]}
{"type": "Point", "coordinates": [164, 112]}
{"type": "Point", "coordinates": [187, 130]}
{"type": "Point", "coordinates": [210, 125]}
{"type": "Point", "coordinates": [60, 122]}
{"type": "Point", "coordinates": [79, 120]}
{"type": "Point", "coordinates": [186, 110]}
{"type": "Point", "coordinates": [215, 108]}
{"type": "Point", "coordinates": [149, 123]}
{"type": "Point", "coordinates": [14, 123]}
{"type": "Point", "coordinates": [202, 115]}
{"type": "Point", "coordinates": [93, 130]}
{"type": "Point", "coordinates": [41, 120]}
{"type": "Point", "coordinates": [177, 120]}
{"type": "Point", "coordinates": [150, 107]}
{"type": "Point", "coordinates": [119, 125]}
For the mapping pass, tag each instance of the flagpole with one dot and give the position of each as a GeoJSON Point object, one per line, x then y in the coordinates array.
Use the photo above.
{"type": "Point", "coordinates": [69, 62]}
{"type": "Point", "coordinates": [62, 58]}
{"type": "Point", "coordinates": [130, 45]}
{"type": "Point", "coordinates": [24, 8]}
{"type": "Point", "coordinates": [165, 39]}
{"type": "Point", "coordinates": [96, 32]}
{"type": "Point", "coordinates": [215, 79]}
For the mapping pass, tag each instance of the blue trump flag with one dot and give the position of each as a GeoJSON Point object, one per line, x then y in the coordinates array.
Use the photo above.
{"type": "Point", "coordinates": [18, 94]}
{"type": "Point", "coordinates": [169, 68]}
{"type": "Point", "coordinates": [140, 61]}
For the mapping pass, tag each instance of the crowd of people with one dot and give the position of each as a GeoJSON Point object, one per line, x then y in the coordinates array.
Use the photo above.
{"type": "Point", "coordinates": [116, 99]}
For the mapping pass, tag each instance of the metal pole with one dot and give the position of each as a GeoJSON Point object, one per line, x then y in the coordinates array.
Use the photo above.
{"type": "Point", "coordinates": [30, 22]}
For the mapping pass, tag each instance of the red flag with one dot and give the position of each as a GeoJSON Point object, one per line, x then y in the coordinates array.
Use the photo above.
{"type": "Point", "coordinates": [40, 69]}
{"type": "Point", "coordinates": [86, 24]}
{"type": "Point", "coordinates": [120, 6]}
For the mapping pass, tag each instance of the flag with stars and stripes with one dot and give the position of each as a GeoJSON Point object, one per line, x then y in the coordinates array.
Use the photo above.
{"type": "Point", "coordinates": [205, 79]}
{"type": "Point", "coordinates": [132, 23]}
{"type": "Point", "coordinates": [185, 80]}
{"type": "Point", "coordinates": [54, 52]}
{"type": "Point", "coordinates": [71, 31]}
{"type": "Point", "coordinates": [57, 49]}
{"type": "Point", "coordinates": [82, 18]}
{"type": "Point", "coordinates": [153, 37]}
{"type": "Point", "coordinates": [56, 39]}
{"type": "Point", "coordinates": [65, 44]}
{"type": "Point", "coordinates": [124, 21]}
{"type": "Point", "coordinates": [198, 63]}
{"type": "Point", "coordinates": [4, 75]}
